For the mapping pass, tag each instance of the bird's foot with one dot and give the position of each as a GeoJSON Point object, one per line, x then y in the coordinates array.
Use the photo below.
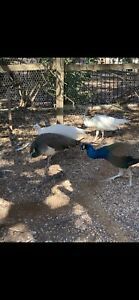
{"type": "Point", "coordinates": [114, 177]}
{"type": "Point", "coordinates": [129, 185]}
{"type": "Point", "coordinates": [120, 174]}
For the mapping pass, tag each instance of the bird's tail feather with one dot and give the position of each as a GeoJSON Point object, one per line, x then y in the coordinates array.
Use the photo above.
{"type": "Point", "coordinates": [23, 147]}
{"type": "Point", "coordinates": [133, 160]}
{"type": "Point", "coordinates": [122, 121]}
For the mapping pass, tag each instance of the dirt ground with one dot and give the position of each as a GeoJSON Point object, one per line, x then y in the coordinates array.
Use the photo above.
{"type": "Point", "coordinates": [72, 201]}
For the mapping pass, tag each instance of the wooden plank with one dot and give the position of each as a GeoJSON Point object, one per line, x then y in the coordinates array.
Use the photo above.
{"type": "Point", "coordinates": [70, 67]}
{"type": "Point", "coordinates": [59, 63]}
{"type": "Point", "coordinates": [22, 67]}
{"type": "Point", "coordinates": [99, 67]}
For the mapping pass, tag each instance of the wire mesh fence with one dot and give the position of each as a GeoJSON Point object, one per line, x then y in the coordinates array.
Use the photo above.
{"type": "Point", "coordinates": [28, 81]}
{"type": "Point", "coordinates": [81, 87]}
{"type": "Point", "coordinates": [102, 87]}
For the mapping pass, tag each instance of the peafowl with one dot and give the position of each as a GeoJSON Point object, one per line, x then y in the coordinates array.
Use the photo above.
{"type": "Point", "coordinates": [51, 143]}
{"type": "Point", "coordinates": [118, 154]}
{"type": "Point", "coordinates": [103, 123]}
{"type": "Point", "coordinates": [66, 130]}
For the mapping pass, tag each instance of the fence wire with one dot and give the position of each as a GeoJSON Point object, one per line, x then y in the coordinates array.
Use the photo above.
{"type": "Point", "coordinates": [84, 87]}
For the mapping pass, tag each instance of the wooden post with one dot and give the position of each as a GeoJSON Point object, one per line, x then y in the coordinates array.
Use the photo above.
{"type": "Point", "coordinates": [59, 64]}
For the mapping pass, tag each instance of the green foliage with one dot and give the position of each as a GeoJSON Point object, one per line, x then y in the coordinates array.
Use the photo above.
{"type": "Point", "coordinates": [76, 86]}
{"type": "Point", "coordinates": [45, 60]}
{"type": "Point", "coordinates": [126, 60]}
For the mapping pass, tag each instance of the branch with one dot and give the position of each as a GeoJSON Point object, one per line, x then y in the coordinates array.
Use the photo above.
{"type": "Point", "coordinates": [33, 98]}
{"type": "Point", "coordinates": [117, 75]}
{"type": "Point", "coordinates": [136, 94]}
{"type": "Point", "coordinates": [73, 103]}
{"type": "Point", "coordinates": [33, 89]}
{"type": "Point", "coordinates": [123, 79]}
{"type": "Point", "coordinates": [55, 75]}
{"type": "Point", "coordinates": [20, 91]}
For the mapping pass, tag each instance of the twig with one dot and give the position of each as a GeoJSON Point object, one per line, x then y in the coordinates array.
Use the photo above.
{"type": "Point", "coordinates": [73, 103]}
{"type": "Point", "coordinates": [33, 98]}
{"type": "Point", "coordinates": [23, 147]}
{"type": "Point", "coordinates": [136, 94]}
{"type": "Point", "coordinates": [33, 89]}
{"type": "Point", "coordinates": [117, 75]}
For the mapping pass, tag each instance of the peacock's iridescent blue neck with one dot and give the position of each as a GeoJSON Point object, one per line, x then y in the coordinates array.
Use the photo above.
{"type": "Point", "coordinates": [97, 153]}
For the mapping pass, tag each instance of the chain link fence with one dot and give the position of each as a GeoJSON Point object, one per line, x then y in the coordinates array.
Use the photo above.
{"type": "Point", "coordinates": [81, 88]}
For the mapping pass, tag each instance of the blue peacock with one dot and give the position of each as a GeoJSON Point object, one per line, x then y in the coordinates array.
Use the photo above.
{"type": "Point", "coordinates": [121, 155]}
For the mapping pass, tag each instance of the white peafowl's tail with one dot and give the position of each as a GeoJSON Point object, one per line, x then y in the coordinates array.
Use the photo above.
{"type": "Point", "coordinates": [121, 121]}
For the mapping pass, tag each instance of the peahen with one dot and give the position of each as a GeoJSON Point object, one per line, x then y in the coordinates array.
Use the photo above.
{"type": "Point", "coordinates": [121, 155]}
{"type": "Point", "coordinates": [103, 123]}
{"type": "Point", "coordinates": [51, 143]}
{"type": "Point", "coordinates": [66, 130]}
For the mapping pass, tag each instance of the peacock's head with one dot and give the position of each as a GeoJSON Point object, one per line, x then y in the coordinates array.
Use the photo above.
{"type": "Point", "coordinates": [34, 151]}
{"type": "Point", "coordinates": [86, 146]}
{"type": "Point", "coordinates": [83, 146]}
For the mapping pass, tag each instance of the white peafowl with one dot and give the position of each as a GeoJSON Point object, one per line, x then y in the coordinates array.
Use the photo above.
{"type": "Point", "coordinates": [102, 122]}
{"type": "Point", "coordinates": [66, 130]}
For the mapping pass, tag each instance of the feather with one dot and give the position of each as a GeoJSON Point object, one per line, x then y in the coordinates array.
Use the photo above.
{"type": "Point", "coordinates": [121, 155]}
{"type": "Point", "coordinates": [66, 130]}
{"type": "Point", "coordinates": [50, 143]}
{"type": "Point", "coordinates": [103, 123]}
{"type": "Point", "coordinates": [130, 148]}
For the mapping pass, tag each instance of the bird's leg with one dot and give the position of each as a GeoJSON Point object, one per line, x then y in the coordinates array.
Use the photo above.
{"type": "Point", "coordinates": [121, 172]}
{"type": "Point", "coordinates": [48, 162]}
{"type": "Point", "coordinates": [102, 132]}
{"type": "Point", "coordinates": [130, 177]}
{"type": "Point", "coordinates": [97, 134]}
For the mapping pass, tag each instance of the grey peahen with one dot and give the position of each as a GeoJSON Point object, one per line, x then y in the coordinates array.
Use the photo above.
{"type": "Point", "coordinates": [51, 143]}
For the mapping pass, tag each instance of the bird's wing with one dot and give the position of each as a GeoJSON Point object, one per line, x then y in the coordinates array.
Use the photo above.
{"type": "Point", "coordinates": [108, 122]}
{"type": "Point", "coordinates": [104, 122]}
{"type": "Point", "coordinates": [124, 149]}
{"type": "Point", "coordinates": [56, 141]}
{"type": "Point", "coordinates": [66, 130]}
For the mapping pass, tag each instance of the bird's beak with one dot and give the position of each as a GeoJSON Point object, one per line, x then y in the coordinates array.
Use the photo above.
{"type": "Point", "coordinates": [31, 153]}
{"type": "Point", "coordinates": [81, 147]}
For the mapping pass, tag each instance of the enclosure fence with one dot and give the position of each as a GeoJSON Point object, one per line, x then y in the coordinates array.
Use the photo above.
{"type": "Point", "coordinates": [58, 85]}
